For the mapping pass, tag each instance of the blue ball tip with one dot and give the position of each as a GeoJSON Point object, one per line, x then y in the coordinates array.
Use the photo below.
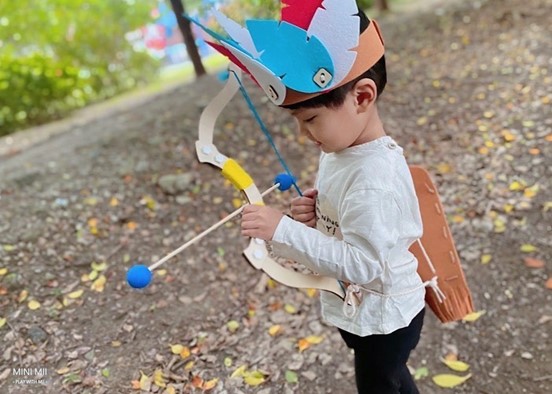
{"type": "Point", "coordinates": [284, 180]}
{"type": "Point", "coordinates": [139, 276]}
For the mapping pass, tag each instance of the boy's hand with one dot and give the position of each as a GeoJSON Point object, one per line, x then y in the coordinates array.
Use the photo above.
{"type": "Point", "coordinates": [303, 209]}
{"type": "Point", "coordinates": [260, 221]}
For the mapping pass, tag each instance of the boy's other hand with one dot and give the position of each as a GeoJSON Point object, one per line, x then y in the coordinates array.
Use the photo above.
{"type": "Point", "coordinates": [303, 209]}
{"type": "Point", "coordinates": [260, 221]}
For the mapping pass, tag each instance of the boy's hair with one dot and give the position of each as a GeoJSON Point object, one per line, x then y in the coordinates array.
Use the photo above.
{"type": "Point", "coordinates": [336, 97]}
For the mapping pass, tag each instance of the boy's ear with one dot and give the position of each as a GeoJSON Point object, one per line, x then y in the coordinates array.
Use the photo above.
{"type": "Point", "coordinates": [365, 93]}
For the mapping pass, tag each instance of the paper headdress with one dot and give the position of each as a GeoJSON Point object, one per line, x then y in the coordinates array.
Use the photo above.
{"type": "Point", "coordinates": [314, 48]}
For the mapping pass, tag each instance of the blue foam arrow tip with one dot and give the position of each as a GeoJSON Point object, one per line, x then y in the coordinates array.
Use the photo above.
{"type": "Point", "coordinates": [139, 276]}
{"type": "Point", "coordinates": [284, 180]}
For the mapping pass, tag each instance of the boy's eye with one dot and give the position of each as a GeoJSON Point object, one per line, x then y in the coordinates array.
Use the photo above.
{"type": "Point", "coordinates": [310, 119]}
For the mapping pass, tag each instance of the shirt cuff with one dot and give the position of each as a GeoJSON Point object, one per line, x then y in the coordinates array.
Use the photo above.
{"type": "Point", "coordinates": [282, 229]}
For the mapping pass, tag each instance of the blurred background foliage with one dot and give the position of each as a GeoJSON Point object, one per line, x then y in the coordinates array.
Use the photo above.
{"type": "Point", "coordinates": [61, 55]}
{"type": "Point", "coordinates": [58, 55]}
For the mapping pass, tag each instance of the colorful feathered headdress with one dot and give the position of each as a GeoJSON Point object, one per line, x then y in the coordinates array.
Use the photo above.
{"type": "Point", "coordinates": [314, 48]}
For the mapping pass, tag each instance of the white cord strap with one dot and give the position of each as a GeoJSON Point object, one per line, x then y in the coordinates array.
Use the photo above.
{"type": "Point", "coordinates": [353, 295]}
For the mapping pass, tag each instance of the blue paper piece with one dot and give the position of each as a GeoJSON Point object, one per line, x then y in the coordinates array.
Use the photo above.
{"type": "Point", "coordinates": [291, 55]}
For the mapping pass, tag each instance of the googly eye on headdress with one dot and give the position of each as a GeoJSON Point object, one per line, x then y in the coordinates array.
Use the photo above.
{"type": "Point", "coordinates": [315, 47]}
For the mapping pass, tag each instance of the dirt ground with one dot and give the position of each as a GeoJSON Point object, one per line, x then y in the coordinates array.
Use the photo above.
{"type": "Point", "coordinates": [469, 97]}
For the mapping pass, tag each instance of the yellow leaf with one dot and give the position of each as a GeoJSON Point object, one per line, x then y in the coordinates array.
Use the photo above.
{"type": "Point", "coordinates": [237, 202]}
{"type": "Point", "coordinates": [93, 275]}
{"type": "Point", "coordinates": [516, 186]}
{"type": "Point", "coordinates": [33, 305]}
{"type": "Point", "coordinates": [457, 219]}
{"type": "Point", "coordinates": [22, 296]}
{"type": "Point", "coordinates": [227, 362]}
{"type": "Point", "coordinates": [531, 192]}
{"type": "Point", "coordinates": [456, 365]}
{"type": "Point", "coordinates": [311, 292]}
{"type": "Point", "coordinates": [75, 294]}
{"type": "Point", "coordinates": [93, 222]}
{"type": "Point", "coordinates": [3, 271]}
{"type": "Point", "coordinates": [449, 381]}
{"type": "Point", "coordinates": [170, 390]}
{"type": "Point", "coordinates": [254, 378]}
{"type": "Point", "coordinates": [275, 330]}
{"type": "Point", "coordinates": [508, 136]}
{"type": "Point", "coordinates": [145, 382]}
{"type": "Point", "coordinates": [471, 317]}
{"type": "Point", "coordinates": [159, 378]}
{"type": "Point", "coordinates": [314, 340]}
{"type": "Point", "coordinates": [484, 150]}
{"type": "Point", "coordinates": [8, 248]}
{"type": "Point", "coordinates": [232, 326]}
{"type": "Point", "coordinates": [210, 384]}
{"type": "Point", "coordinates": [486, 258]}
{"type": "Point", "coordinates": [132, 225]}
{"type": "Point", "coordinates": [444, 168]}
{"type": "Point", "coordinates": [62, 371]}
{"type": "Point", "coordinates": [547, 206]}
{"type": "Point", "coordinates": [99, 266]}
{"type": "Point", "coordinates": [290, 309]}
{"type": "Point", "coordinates": [115, 343]}
{"type": "Point", "coordinates": [91, 201]}
{"type": "Point", "coordinates": [189, 365]}
{"type": "Point", "coordinates": [528, 248]}
{"type": "Point", "coordinates": [239, 372]}
{"type": "Point", "coordinates": [161, 272]}
{"type": "Point", "coordinates": [3, 322]}
{"type": "Point", "coordinates": [114, 202]}
{"type": "Point", "coordinates": [185, 352]}
{"type": "Point", "coordinates": [150, 202]}
{"type": "Point", "coordinates": [99, 284]}
{"type": "Point", "coordinates": [176, 349]}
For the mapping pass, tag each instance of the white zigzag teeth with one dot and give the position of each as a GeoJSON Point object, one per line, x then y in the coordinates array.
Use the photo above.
{"type": "Point", "coordinates": [237, 32]}
{"type": "Point", "coordinates": [337, 16]}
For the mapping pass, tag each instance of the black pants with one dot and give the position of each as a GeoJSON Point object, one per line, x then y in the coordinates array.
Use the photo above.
{"type": "Point", "coordinates": [380, 360]}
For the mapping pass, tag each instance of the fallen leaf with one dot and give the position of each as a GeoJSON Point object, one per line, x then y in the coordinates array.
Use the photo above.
{"type": "Point", "coordinates": [456, 365]}
{"type": "Point", "coordinates": [227, 362]}
{"type": "Point", "coordinates": [548, 283]}
{"type": "Point", "coordinates": [210, 384]}
{"type": "Point", "coordinates": [22, 296]}
{"type": "Point", "coordinates": [232, 326]}
{"type": "Point", "coordinates": [159, 378]}
{"type": "Point", "coordinates": [291, 377]}
{"type": "Point", "coordinates": [99, 266]}
{"type": "Point", "coordinates": [176, 349]}
{"type": "Point", "coordinates": [471, 317]}
{"type": "Point", "coordinates": [75, 294]}
{"type": "Point", "coordinates": [254, 378]}
{"type": "Point", "coordinates": [449, 381]}
{"type": "Point", "coordinates": [3, 271]}
{"type": "Point", "coordinates": [197, 381]}
{"type": "Point", "coordinates": [528, 248]}
{"type": "Point", "coordinates": [290, 309]}
{"type": "Point", "coordinates": [99, 284]}
{"type": "Point", "coordinates": [533, 263]}
{"type": "Point", "coordinates": [239, 372]}
{"type": "Point", "coordinates": [275, 330]}
{"type": "Point", "coordinates": [145, 382]}
{"type": "Point", "coordinates": [486, 258]}
{"type": "Point", "coordinates": [33, 305]}
{"type": "Point", "coordinates": [62, 371]}
{"type": "Point", "coordinates": [421, 373]}
{"type": "Point", "coordinates": [2, 322]}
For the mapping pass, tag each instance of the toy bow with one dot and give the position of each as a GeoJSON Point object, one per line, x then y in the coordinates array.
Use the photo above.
{"type": "Point", "coordinates": [256, 253]}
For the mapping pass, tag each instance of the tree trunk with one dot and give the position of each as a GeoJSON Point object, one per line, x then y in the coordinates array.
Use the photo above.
{"type": "Point", "coordinates": [189, 41]}
{"type": "Point", "coordinates": [382, 5]}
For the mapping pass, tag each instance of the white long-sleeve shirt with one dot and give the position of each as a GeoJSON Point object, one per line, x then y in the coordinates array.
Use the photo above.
{"type": "Point", "coordinates": [367, 218]}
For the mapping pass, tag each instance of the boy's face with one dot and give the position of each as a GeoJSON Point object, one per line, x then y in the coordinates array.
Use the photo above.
{"type": "Point", "coordinates": [333, 129]}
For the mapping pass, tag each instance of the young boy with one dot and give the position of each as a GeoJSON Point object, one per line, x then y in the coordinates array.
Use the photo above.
{"type": "Point", "coordinates": [359, 222]}
{"type": "Point", "coordinates": [357, 225]}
